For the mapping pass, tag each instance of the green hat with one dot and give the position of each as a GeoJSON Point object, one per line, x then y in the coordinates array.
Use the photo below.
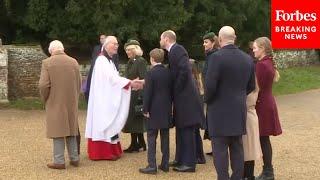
{"type": "Point", "coordinates": [131, 42]}
{"type": "Point", "coordinates": [209, 35]}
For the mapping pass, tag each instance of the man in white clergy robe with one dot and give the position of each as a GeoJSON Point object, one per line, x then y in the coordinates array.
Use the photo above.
{"type": "Point", "coordinates": [108, 105]}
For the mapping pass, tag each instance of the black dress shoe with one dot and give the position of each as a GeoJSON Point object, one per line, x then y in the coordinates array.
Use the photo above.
{"type": "Point", "coordinates": [143, 147]}
{"type": "Point", "coordinates": [184, 168]}
{"type": "Point", "coordinates": [209, 153]}
{"type": "Point", "coordinates": [174, 163]}
{"type": "Point", "coordinates": [148, 170]}
{"type": "Point", "coordinates": [132, 149]}
{"type": "Point", "coordinates": [201, 161]}
{"type": "Point", "coordinates": [163, 168]}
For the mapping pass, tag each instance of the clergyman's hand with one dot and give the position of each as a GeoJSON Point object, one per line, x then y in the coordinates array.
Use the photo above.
{"type": "Point", "coordinates": [137, 84]}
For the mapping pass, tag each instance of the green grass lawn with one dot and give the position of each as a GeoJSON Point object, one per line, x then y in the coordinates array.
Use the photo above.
{"type": "Point", "coordinates": [292, 80]}
{"type": "Point", "coordinates": [297, 79]}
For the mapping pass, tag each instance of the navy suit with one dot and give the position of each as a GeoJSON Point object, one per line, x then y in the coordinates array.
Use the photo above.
{"type": "Point", "coordinates": [188, 111]}
{"type": "Point", "coordinates": [230, 77]}
{"type": "Point", "coordinates": [157, 99]}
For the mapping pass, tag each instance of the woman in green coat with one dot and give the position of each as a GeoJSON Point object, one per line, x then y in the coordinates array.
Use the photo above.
{"type": "Point", "coordinates": [136, 68]}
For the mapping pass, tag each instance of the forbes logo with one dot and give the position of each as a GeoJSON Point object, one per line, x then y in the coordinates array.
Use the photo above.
{"type": "Point", "coordinates": [281, 15]}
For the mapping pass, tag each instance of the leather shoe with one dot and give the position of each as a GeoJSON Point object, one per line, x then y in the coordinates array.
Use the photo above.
{"type": "Point", "coordinates": [201, 161]}
{"type": "Point", "coordinates": [148, 170]}
{"type": "Point", "coordinates": [173, 163]}
{"type": "Point", "coordinates": [163, 168]}
{"type": "Point", "coordinates": [74, 163]}
{"type": "Point", "coordinates": [56, 166]}
{"type": "Point", "coordinates": [184, 168]}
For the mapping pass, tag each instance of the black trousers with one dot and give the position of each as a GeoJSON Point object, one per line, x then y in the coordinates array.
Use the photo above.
{"type": "Point", "coordinates": [199, 146]}
{"type": "Point", "coordinates": [221, 145]}
{"type": "Point", "coordinates": [78, 137]}
{"type": "Point", "coordinates": [185, 146]}
{"type": "Point", "coordinates": [152, 144]}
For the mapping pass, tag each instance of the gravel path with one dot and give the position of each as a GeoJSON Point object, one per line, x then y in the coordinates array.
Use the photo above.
{"type": "Point", "coordinates": [24, 150]}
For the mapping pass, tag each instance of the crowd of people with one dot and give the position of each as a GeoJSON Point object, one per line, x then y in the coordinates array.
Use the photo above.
{"type": "Point", "coordinates": [237, 110]}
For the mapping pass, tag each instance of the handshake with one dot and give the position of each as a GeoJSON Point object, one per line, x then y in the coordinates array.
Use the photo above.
{"type": "Point", "coordinates": [137, 84]}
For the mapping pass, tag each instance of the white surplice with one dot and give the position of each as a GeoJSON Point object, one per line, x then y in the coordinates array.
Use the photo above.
{"type": "Point", "coordinates": [109, 102]}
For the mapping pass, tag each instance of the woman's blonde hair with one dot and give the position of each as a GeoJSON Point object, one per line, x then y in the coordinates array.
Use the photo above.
{"type": "Point", "coordinates": [265, 43]}
{"type": "Point", "coordinates": [136, 49]}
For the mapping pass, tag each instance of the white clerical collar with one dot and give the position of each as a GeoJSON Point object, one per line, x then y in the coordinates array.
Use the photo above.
{"type": "Point", "coordinates": [157, 64]}
{"type": "Point", "coordinates": [169, 48]}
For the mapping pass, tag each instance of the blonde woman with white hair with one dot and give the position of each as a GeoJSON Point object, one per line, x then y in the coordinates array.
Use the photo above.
{"type": "Point", "coordinates": [136, 68]}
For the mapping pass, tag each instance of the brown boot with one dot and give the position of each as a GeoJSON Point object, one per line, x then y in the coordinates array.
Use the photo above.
{"type": "Point", "coordinates": [74, 163]}
{"type": "Point", "coordinates": [56, 166]}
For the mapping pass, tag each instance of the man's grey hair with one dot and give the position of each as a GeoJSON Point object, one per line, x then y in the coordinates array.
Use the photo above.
{"type": "Point", "coordinates": [107, 41]}
{"type": "Point", "coordinates": [55, 45]}
{"type": "Point", "coordinates": [170, 34]}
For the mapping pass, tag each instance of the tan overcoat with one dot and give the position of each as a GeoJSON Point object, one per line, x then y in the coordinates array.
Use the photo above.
{"type": "Point", "coordinates": [59, 86]}
{"type": "Point", "coordinates": [251, 141]}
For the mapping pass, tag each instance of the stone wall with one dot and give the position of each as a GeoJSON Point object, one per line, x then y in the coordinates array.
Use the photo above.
{"type": "Point", "coordinates": [24, 66]}
{"type": "Point", "coordinates": [290, 58]}
{"type": "Point", "coordinates": [3, 74]}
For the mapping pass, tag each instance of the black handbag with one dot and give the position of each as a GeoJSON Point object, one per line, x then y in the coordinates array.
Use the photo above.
{"type": "Point", "coordinates": [138, 107]}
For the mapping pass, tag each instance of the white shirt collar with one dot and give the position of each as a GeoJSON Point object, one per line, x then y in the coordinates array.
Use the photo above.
{"type": "Point", "coordinates": [169, 48]}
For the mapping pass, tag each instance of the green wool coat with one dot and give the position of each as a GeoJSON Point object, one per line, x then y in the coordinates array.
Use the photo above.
{"type": "Point", "coordinates": [135, 123]}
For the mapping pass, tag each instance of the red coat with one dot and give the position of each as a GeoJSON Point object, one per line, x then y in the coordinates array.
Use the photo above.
{"type": "Point", "coordinates": [266, 105]}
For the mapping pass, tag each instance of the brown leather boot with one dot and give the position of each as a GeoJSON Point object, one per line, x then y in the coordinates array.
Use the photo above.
{"type": "Point", "coordinates": [56, 166]}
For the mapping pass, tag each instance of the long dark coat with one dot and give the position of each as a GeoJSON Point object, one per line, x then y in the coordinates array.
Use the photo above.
{"type": "Point", "coordinates": [230, 77]}
{"type": "Point", "coordinates": [266, 106]}
{"type": "Point", "coordinates": [188, 110]}
{"type": "Point", "coordinates": [157, 98]}
{"type": "Point", "coordinates": [135, 123]}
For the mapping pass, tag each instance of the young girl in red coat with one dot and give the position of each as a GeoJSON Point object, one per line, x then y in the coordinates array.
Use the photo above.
{"type": "Point", "coordinates": [266, 106]}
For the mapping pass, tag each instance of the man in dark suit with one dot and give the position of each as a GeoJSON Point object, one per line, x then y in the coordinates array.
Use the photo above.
{"type": "Point", "coordinates": [98, 48]}
{"type": "Point", "coordinates": [230, 77]}
{"type": "Point", "coordinates": [157, 101]}
{"type": "Point", "coordinates": [187, 110]}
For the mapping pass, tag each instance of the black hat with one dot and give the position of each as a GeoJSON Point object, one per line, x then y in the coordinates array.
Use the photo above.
{"type": "Point", "coordinates": [209, 35]}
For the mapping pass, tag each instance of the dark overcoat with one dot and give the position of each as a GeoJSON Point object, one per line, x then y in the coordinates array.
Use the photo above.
{"type": "Point", "coordinates": [157, 99]}
{"type": "Point", "coordinates": [230, 77]}
{"type": "Point", "coordinates": [136, 68]}
{"type": "Point", "coordinates": [188, 110]}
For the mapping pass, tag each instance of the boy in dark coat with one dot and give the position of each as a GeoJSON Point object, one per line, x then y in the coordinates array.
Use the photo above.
{"type": "Point", "coordinates": [157, 108]}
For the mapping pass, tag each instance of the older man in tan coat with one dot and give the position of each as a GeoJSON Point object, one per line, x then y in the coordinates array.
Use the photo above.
{"type": "Point", "coordinates": [59, 86]}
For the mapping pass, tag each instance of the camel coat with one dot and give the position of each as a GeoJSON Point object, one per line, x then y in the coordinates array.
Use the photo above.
{"type": "Point", "coordinates": [251, 140]}
{"type": "Point", "coordinates": [59, 87]}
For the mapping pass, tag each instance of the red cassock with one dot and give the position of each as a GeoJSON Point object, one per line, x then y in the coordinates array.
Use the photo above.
{"type": "Point", "coordinates": [100, 150]}
{"type": "Point", "coordinates": [266, 107]}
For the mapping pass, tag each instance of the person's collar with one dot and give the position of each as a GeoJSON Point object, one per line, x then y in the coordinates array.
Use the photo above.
{"type": "Point", "coordinates": [107, 55]}
{"type": "Point", "coordinates": [57, 52]}
{"type": "Point", "coordinates": [229, 46]}
{"type": "Point", "coordinates": [170, 46]}
{"type": "Point", "coordinates": [157, 64]}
